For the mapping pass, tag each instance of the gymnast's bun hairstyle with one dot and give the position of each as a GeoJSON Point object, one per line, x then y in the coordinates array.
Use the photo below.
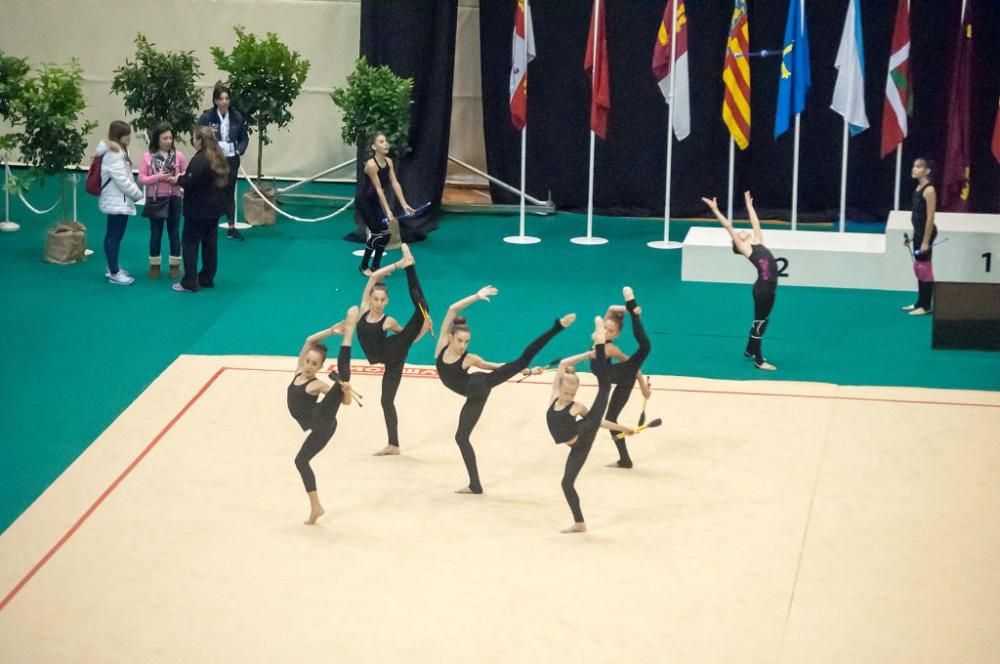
{"type": "Point", "coordinates": [618, 317]}
{"type": "Point", "coordinates": [380, 285]}
{"type": "Point", "coordinates": [321, 349]}
{"type": "Point", "coordinates": [459, 324]}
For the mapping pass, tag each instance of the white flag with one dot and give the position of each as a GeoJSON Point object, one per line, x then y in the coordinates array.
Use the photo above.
{"type": "Point", "coordinates": [849, 93]}
{"type": "Point", "coordinates": [522, 52]}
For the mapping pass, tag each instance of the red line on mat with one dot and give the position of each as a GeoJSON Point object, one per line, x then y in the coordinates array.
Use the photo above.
{"type": "Point", "coordinates": [107, 492]}
{"type": "Point", "coordinates": [410, 373]}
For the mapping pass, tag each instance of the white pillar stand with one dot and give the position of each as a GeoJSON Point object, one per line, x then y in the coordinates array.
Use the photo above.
{"type": "Point", "coordinates": [7, 226]}
{"type": "Point", "coordinates": [240, 225]}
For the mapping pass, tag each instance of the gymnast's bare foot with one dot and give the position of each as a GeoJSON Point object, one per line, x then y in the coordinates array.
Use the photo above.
{"type": "Point", "coordinates": [468, 490]}
{"type": "Point", "coordinates": [628, 294]}
{"type": "Point", "coordinates": [315, 509]}
{"type": "Point", "coordinates": [567, 320]}
{"type": "Point", "coordinates": [598, 336]}
{"type": "Point", "coordinates": [388, 450]}
{"type": "Point", "coordinates": [408, 259]}
{"type": "Point", "coordinates": [575, 528]}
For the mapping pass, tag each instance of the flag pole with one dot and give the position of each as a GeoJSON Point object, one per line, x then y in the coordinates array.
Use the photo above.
{"type": "Point", "coordinates": [521, 238]}
{"type": "Point", "coordinates": [732, 160]}
{"type": "Point", "coordinates": [843, 164]}
{"type": "Point", "coordinates": [899, 172]}
{"type": "Point", "coordinates": [665, 243]}
{"type": "Point", "coordinates": [590, 239]}
{"type": "Point", "coordinates": [795, 149]}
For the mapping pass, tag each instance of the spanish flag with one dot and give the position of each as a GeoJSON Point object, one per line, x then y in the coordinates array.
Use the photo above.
{"type": "Point", "coordinates": [736, 76]}
{"type": "Point", "coordinates": [664, 71]}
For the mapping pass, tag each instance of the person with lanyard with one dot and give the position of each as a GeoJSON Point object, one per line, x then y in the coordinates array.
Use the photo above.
{"type": "Point", "coordinates": [390, 350]}
{"type": "Point", "coordinates": [233, 137]}
{"type": "Point", "coordinates": [924, 234]}
{"type": "Point", "coordinates": [317, 417]}
{"type": "Point", "coordinates": [453, 361]}
{"type": "Point", "coordinates": [751, 245]}
{"type": "Point", "coordinates": [573, 424]}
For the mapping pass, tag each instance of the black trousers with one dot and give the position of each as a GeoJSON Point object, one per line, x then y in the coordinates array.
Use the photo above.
{"type": "Point", "coordinates": [393, 355]}
{"type": "Point", "coordinates": [200, 234]}
{"type": "Point", "coordinates": [586, 432]}
{"type": "Point", "coordinates": [324, 422]}
{"type": "Point", "coordinates": [234, 174]}
{"type": "Point", "coordinates": [478, 391]}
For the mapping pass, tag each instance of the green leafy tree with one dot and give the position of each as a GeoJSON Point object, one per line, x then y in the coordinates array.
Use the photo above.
{"type": "Point", "coordinates": [13, 72]}
{"type": "Point", "coordinates": [375, 100]}
{"type": "Point", "coordinates": [55, 135]}
{"type": "Point", "coordinates": [265, 78]}
{"type": "Point", "coordinates": [160, 87]}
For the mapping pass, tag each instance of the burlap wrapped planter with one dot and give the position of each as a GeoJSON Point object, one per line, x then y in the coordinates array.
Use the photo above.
{"type": "Point", "coordinates": [258, 213]}
{"type": "Point", "coordinates": [65, 243]}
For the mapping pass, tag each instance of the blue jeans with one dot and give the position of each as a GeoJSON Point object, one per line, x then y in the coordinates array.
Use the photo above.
{"type": "Point", "coordinates": [113, 239]}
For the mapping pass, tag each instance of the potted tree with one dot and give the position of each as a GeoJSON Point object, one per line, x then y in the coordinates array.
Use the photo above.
{"type": "Point", "coordinates": [159, 87]}
{"type": "Point", "coordinates": [265, 77]}
{"type": "Point", "coordinates": [54, 138]}
{"type": "Point", "coordinates": [374, 99]}
{"type": "Point", "coordinates": [13, 72]}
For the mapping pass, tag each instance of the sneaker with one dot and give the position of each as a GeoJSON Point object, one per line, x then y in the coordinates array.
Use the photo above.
{"type": "Point", "coordinates": [765, 365]}
{"type": "Point", "coordinates": [234, 234]}
{"type": "Point", "coordinates": [180, 289]}
{"type": "Point", "coordinates": [909, 307]}
{"type": "Point", "coordinates": [121, 270]}
{"type": "Point", "coordinates": [920, 311]}
{"type": "Point", "coordinates": [122, 278]}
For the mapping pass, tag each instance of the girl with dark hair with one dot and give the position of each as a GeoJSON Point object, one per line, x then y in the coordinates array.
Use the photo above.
{"type": "Point", "coordinates": [572, 423]}
{"type": "Point", "coordinates": [765, 287]}
{"type": "Point", "coordinates": [161, 166]}
{"type": "Point", "coordinates": [379, 347]}
{"type": "Point", "coordinates": [319, 419]}
{"type": "Point", "coordinates": [924, 233]}
{"type": "Point", "coordinates": [373, 205]}
{"type": "Point", "coordinates": [233, 137]}
{"type": "Point", "coordinates": [626, 372]}
{"type": "Point", "coordinates": [119, 194]}
{"type": "Point", "coordinates": [453, 362]}
{"type": "Point", "coordinates": [204, 202]}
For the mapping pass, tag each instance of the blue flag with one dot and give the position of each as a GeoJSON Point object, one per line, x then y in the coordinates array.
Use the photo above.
{"type": "Point", "coordinates": [794, 81]}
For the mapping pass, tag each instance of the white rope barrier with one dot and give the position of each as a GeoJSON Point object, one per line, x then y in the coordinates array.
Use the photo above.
{"type": "Point", "coordinates": [21, 195]}
{"type": "Point", "coordinates": [292, 216]}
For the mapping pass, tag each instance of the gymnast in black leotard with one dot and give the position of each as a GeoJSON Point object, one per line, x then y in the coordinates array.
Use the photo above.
{"type": "Point", "coordinates": [626, 372]}
{"type": "Point", "coordinates": [453, 362]}
{"type": "Point", "coordinates": [563, 413]}
{"type": "Point", "coordinates": [319, 418]}
{"type": "Point", "coordinates": [751, 245]}
{"type": "Point", "coordinates": [380, 347]}
{"type": "Point", "coordinates": [373, 205]}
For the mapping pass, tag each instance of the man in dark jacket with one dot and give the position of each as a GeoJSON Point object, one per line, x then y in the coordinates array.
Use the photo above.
{"type": "Point", "coordinates": [231, 131]}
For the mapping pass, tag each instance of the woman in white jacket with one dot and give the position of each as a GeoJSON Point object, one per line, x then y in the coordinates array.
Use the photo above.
{"type": "Point", "coordinates": [119, 193]}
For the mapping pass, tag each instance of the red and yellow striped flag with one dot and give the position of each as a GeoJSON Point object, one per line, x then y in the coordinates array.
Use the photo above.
{"type": "Point", "coordinates": [736, 76]}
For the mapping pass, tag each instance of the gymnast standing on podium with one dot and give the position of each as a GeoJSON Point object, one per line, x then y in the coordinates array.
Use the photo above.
{"type": "Point", "coordinates": [765, 287]}
{"type": "Point", "coordinates": [924, 232]}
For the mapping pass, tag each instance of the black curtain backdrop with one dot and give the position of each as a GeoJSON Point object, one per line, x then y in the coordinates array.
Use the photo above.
{"type": "Point", "coordinates": [416, 39]}
{"type": "Point", "coordinates": [630, 165]}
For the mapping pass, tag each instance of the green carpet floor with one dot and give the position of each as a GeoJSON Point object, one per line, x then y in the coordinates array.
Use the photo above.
{"type": "Point", "coordinates": [78, 350]}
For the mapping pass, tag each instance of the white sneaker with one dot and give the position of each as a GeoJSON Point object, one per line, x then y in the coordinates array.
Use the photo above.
{"type": "Point", "coordinates": [121, 270]}
{"type": "Point", "coordinates": [909, 307]}
{"type": "Point", "coordinates": [120, 279]}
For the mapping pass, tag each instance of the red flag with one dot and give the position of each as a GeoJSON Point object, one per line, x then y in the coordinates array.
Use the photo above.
{"type": "Point", "coordinates": [600, 88]}
{"type": "Point", "coordinates": [996, 135]}
{"type": "Point", "coordinates": [896, 106]}
{"type": "Point", "coordinates": [955, 180]}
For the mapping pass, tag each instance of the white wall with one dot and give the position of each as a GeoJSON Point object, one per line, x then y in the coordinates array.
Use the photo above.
{"type": "Point", "coordinates": [326, 32]}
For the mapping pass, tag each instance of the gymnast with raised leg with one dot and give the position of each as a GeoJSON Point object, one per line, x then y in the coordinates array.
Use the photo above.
{"type": "Point", "coordinates": [765, 287]}
{"type": "Point", "coordinates": [319, 418]}
{"type": "Point", "coordinates": [563, 413]}
{"type": "Point", "coordinates": [626, 372]}
{"type": "Point", "coordinates": [379, 347]}
{"type": "Point", "coordinates": [453, 361]}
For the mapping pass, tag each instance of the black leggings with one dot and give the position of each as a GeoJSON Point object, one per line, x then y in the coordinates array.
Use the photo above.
{"type": "Point", "coordinates": [324, 422]}
{"type": "Point", "coordinates": [586, 431]}
{"type": "Point", "coordinates": [478, 391]}
{"type": "Point", "coordinates": [623, 376]}
{"type": "Point", "coordinates": [394, 352]}
{"type": "Point", "coordinates": [763, 302]}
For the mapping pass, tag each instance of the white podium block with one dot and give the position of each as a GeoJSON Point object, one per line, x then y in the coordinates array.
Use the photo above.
{"type": "Point", "coordinates": [969, 244]}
